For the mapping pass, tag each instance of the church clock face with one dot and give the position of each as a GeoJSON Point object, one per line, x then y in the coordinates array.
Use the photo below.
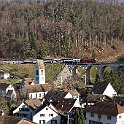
{"type": "Point", "coordinates": [42, 78]}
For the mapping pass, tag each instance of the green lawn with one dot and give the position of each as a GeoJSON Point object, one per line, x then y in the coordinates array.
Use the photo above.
{"type": "Point", "coordinates": [27, 70]}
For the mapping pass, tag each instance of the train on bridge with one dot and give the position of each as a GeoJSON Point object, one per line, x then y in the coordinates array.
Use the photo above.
{"type": "Point", "coordinates": [66, 61]}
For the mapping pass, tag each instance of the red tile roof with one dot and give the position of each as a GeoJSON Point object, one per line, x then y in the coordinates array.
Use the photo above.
{"type": "Point", "coordinates": [14, 120]}
{"type": "Point", "coordinates": [105, 108]}
{"type": "Point", "coordinates": [37, 88]}
{"type": "Point", "coordinates": [27, 81]}
{"type": "Point", "coordinates": [33, 103]}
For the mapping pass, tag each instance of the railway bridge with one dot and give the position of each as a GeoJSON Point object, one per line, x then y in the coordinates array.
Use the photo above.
{"type": "Point", "coordinates": [100, 68]}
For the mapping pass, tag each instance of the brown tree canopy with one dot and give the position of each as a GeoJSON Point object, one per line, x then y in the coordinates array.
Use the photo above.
{"type": "Point", "coordinates": [30, 30]}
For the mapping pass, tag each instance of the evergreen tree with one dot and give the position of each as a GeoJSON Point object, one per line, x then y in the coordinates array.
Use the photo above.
{"type": "Point", "coordinates": [116, 78]}
{"type": "Point", "coordinates": [79, 117]}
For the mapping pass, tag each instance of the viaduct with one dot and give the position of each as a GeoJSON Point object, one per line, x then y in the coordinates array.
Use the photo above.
{"type": "Point", "coordinates": [100, 67]}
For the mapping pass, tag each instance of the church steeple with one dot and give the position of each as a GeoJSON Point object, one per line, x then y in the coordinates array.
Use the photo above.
{"type": "Point", "coordinates": [40, 72]}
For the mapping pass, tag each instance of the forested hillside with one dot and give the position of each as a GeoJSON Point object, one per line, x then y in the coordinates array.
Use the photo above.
{"type": "Point", "coordinates": [61, 28]}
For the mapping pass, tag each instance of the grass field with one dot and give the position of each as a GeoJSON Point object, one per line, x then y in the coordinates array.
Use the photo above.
{"type": "Point", "coordinates": [27, 70]}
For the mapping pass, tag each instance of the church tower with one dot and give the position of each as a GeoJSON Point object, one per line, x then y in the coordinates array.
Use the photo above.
{"type": "Point", "coordinates": [40, 72]}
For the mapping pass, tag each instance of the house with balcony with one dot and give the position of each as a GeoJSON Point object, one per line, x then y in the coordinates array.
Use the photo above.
{"type": "Point", "coordinates": [105, 113]}
{"type": "Point", "coordinates": [27, 108]}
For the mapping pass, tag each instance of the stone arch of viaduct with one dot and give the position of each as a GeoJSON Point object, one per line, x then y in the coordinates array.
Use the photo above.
{"type": "Point", "coordinates": [99, 67]}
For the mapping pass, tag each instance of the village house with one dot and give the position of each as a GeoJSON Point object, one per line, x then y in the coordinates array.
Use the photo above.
{"type": "Point", "coordinates": [36, 91]}
{"type": "Point", "coordinates": [47, 114]}
{"type": "Point", "coordinates": [104, 88]}
{"type": "Point", "coordinates": [8, 91]}
{"type": "Point", "coordinates": [55, 95]}
{"type": "Point", "coordinates": [105, 113]}
{"type": "Point", "coordinates": [4, 75]}
{"type": "Point", "coordinates": [27, 108]}
{"type": "Point", "coordinates": [68, 107]}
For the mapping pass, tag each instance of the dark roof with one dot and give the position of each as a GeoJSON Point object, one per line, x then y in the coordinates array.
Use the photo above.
{"type": "Point", "coordinates": [105, 108]}
{"type": "Point", "coordinates": [97, 97]}
{"type": "Point", "coordinates": [3, 86]}
{"type": "Point", "coordinates": [94, 97]}
{"type": "Point", "coordinates": [65, 105]}
{"type": "Point", "coordinates": [14, 120]}
{"type": "Point", "coordinates": [99, 87]}
{"type": "Point", "coordinates": [55, 96]}
{"type": "Point", "coordinates": [119, 100]}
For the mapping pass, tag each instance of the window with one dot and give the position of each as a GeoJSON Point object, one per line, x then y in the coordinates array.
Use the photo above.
{"type": "Point", "coordinates": [108, 117]}
{"type": "Point", "coordinates": [42, 115]}
{"type": "Point", "coordinates": [41, 121]}
{"type": "Point", "coordinates": [37, 72]}
{"type": "Point", "coordinates": [31, 96]}
{"type": "Point", "coordinates": [53, 121]}
{"type": "Point", "coordinates": [120, 117]}
{"type": "Point", "coordinates": [41, 72]}
{"type": "Point", "coordinates": [39, 94]}
{"type": "Point", "coordinates": [99, 116]}
{"type": "Point", "coordinates": [50, 115]}
{"type": "Point", "coordinates": [92, 114]}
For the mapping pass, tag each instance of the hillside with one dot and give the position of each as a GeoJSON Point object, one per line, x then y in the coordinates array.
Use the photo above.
{"type": "Point", "coordinates": [61, 28]}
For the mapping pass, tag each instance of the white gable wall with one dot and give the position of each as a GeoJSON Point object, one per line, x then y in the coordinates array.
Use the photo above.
{"type": "Point", "coordinates": [46, 114]}
{"type": "Point", "coordinates": [68, 96]}
{"type": "Point", "coordinates": [77, 103]}
{"type": "Point", "coordinates": [120, 118]}
{"type": "Point", "coordinates": [27, 114]}
{"type": "Point", "coordinates": [109, 91]}
{"type": "Point", "coordinates": [10, 87]}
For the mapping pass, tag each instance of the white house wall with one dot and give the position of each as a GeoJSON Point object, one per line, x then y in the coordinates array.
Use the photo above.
{"type": "Point", "coordinates": [109, 91]}
{"type": "Point", "coordinates": [6, 75]}
{"type": "Point", "coordinates": [103, 119]}
{"type": "Point", "coordinates": [37, 95]}
{"type": "Point", "coordinates": [120, 118]}
{"type": "Point", "coordinates": [77, 103]}
{"type": "Point", "coordinates": [10, 87]}
{"type": "Point", "coordinates": [46, 111]}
